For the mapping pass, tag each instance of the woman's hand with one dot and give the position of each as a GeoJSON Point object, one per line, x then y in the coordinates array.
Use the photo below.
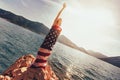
{"type": "Point", "coordinates": [58, 20]}
{"type": "Point", "coordinates": [64, 5]}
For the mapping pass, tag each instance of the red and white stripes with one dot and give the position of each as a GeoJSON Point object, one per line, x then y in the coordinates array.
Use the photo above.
{"type": "Point", "coordinates": [46, 48]}
{"type": "Point", "coordinates": [41, 58]}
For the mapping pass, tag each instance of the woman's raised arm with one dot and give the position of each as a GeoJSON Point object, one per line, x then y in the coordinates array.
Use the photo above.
{"type": "Point", "coordinates": [58, 15]}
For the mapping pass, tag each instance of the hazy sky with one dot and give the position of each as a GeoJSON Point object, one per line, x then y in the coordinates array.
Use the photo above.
{"type": "Point", "coordinates": [92, 24]}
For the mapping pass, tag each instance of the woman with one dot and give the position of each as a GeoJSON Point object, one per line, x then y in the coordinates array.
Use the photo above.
{"type": "Point", "coordinates": [50, 40]}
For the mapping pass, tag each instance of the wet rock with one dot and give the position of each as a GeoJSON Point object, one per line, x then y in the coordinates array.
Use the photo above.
{"type": "Point", "coordinates": [21, 70]}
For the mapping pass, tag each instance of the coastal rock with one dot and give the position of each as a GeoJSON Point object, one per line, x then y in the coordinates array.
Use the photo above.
{"type": "Point", "coordinates": [20, 70]}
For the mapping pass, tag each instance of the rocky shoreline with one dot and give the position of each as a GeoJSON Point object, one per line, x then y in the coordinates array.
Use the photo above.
{"type": "Point", "coordinates": [20, 70]}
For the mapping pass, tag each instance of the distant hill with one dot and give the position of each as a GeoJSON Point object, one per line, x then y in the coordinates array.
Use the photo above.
{"type": "Point", "coordinates": [23, 22]}
{"type": "Point", "coordinates": [113, 60]}
{"type": "Point", "coordinates": [64, 40]}
{"type": "Point", "coordinates": [43, 30]}
{"type": "Point", "coordinates": [96, 54]}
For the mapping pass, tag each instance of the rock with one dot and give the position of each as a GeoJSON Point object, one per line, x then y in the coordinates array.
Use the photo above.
{"type": "Point", "coordinates": [20, 70]}
{"type": "Point", "coordinates": [5, 77]}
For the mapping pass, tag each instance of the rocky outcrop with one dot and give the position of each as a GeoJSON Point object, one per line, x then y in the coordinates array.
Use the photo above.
{"type": "Point", "coordinates": [20, 70]}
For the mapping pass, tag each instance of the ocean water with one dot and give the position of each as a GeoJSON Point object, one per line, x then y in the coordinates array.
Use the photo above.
{"type": "Point", "coordinates": [15, 42]}
{"type": "Point", "coordinates": [71, 64]}
{"type": "Point", "coordinates": [68, 64]}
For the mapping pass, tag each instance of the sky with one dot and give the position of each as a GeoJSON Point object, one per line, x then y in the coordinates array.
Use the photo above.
{"type": "Point", "coordinates": [91, 24]}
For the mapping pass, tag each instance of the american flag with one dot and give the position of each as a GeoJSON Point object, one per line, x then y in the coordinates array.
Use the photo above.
{"type": "Point", "coordinates": [46, 48]}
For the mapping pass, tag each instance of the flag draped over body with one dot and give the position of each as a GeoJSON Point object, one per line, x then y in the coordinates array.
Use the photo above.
{"type": "Point", "coordinates": [48, 43]}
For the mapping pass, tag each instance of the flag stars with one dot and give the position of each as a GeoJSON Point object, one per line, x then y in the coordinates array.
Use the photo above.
{"type": "Point", "coordinates": [50, 39]}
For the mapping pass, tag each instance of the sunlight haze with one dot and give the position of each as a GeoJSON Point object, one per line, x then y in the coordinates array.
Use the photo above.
{"type": "Point", "coordinates": [91, 24]}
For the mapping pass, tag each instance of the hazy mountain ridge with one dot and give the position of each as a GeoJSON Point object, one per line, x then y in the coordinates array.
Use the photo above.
{"type": "Point", "coordinates": [23, 22]}
{"type": "Point", "coordinates": [64, 40]}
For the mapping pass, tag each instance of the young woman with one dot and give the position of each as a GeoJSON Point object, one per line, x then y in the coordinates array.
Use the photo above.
{"type": "Point", "coordinates": [48, 43]}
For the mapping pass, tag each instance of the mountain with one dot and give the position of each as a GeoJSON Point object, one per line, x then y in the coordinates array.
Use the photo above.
{"type": "Point", "coordinates": [64, 40]}
{"type": "Point", "coordinates": [112, 60]}
{"type": "Point", "coordinates": [96, 54]}
{"type": "Point", "coordinates": [23, 22]}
